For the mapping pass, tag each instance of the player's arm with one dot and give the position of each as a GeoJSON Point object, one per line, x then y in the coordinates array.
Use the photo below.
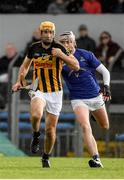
{"type": "Point", "coordinates": [106, 80]}
{"type": "Point", "coordinates": [70, 60]}
{"type": "Point", "coordinates": [95, 63]}
{"type": "Point", "coordinates": [24, 68]}
{"type": "Point", "coordinates": [22, 73]}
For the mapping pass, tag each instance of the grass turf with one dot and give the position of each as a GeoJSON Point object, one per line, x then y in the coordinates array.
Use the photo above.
{"type": "Point", "coordinates": [62, 168]}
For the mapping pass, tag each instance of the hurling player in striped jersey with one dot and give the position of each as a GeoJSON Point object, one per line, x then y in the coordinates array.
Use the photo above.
{"type": "Point", "coordinates": [47, 57]}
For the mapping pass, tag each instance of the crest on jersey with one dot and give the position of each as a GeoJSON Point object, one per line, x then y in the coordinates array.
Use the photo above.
{"type": "Point", "coordinates": [82, 59]}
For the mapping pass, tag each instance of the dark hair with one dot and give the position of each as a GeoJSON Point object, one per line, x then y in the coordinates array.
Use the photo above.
{"type": "Point", "coordinates": [107, 33]}
{"type": "Point", "coordinates": [82, 27]}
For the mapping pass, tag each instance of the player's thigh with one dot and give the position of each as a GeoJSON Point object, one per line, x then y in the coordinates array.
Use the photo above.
{"type": "Point", "coordinates": [37, 106]}
{"type": "Point", "coordinates": [82, 115]}
{"type": "Point", "coordinates": [101, 117]}
{"type": "Point", "coordinates": [51, 121]}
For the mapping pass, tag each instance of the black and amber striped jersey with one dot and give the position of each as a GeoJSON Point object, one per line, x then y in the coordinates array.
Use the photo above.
{"type": "Point", "coordinates": [46, 67]}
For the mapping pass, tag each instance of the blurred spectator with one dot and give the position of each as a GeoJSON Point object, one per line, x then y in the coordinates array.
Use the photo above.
{"type": "Point", "coordinates": [108, 51]}
{"type": "Point", "coordinates": [35, 37]}
{"type": "Point", "coordinates": [84, 41]}
{"type": "Point", "coordinates": [38, 6]}
{"type": "Point", "coordinates": [22, 6]}
{"type": "Point", "coordinates": [10, 53]}
{"type": "Point", "coordinates": [92, 7]}
{"type": "Point", "coordinates": [8, 6]}
{"type": "Point", "coordinates": [57, 7]}
{"type": "Point", "coordinates": [74, 6]}
{"type": "Point", "coordinates": [118, 7]}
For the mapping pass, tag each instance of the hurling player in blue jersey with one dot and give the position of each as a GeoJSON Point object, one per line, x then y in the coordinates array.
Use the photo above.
{"type": "Point", "coordinates": [85, 93]}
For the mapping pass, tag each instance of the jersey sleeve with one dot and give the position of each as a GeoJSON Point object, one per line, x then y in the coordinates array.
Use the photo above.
{"type": "Point", "coordinates": [30, 52]}
{"type": "Point", "coordinates": [93, 61]}
{"type": "Point", "coordinates": [63, 49]}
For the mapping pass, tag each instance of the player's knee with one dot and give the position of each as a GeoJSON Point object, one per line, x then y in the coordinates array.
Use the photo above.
{"type": "Point", "coordinates": [86, 128]}
{"type": "Point", "coordinates": [105, 126]}
{"type": "Point", "coordinates": [36, 116]}
{"type": "Point", "coordinates": [50, 132]}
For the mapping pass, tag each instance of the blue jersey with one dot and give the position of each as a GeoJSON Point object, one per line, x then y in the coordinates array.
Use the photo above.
{"type": "Point", "coordinates": [82, 84]}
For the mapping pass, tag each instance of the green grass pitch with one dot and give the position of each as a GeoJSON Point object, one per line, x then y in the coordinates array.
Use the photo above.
{"type": "Point", "coordinates": [62, 168]}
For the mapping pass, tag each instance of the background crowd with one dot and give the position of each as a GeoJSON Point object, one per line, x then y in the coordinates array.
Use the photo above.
{"type": "Point", "coordinates": [62, 6]}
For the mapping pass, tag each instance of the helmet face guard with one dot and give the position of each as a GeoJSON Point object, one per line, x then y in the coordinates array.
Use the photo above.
{"type": "Point", "coordinates": [68, 35]}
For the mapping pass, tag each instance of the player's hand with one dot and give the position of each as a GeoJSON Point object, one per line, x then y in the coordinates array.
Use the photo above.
{"type": "Point", "coordinates": [56, 52]}
{"type": "Point", "coordinates": [106, 93]}
{"type": "Point", "coordinates": [16, 87]}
